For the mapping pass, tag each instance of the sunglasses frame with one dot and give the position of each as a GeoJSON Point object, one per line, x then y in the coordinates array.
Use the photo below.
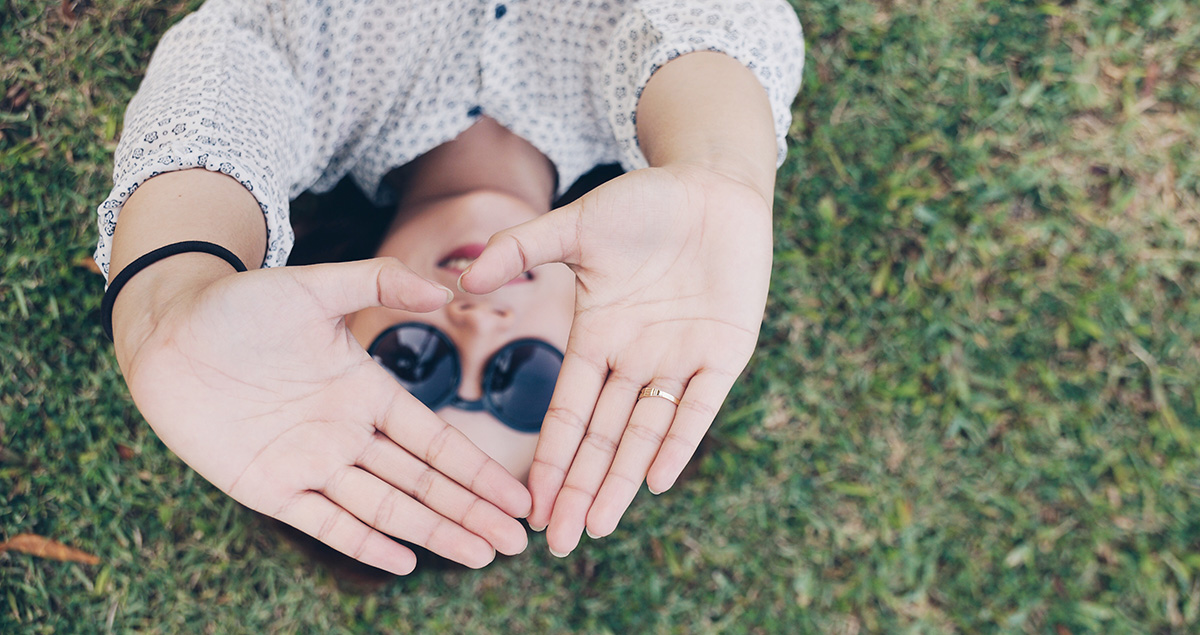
{"type": "Point", "coordinates": [452, 398]}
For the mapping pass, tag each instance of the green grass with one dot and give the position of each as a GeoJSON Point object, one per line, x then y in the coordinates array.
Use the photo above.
{"type": "Point", "coordinates": [975, 405]}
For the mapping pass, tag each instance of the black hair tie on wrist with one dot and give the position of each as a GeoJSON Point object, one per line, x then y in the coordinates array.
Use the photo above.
{"type": "Point", "coordinates": [110, 296]}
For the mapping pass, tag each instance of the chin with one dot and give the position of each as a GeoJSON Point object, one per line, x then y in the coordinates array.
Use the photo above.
{"type": "Point", "coordinates": [508, 447]}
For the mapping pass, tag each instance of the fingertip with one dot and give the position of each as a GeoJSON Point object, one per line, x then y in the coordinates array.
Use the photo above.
{"type": "Point", "coordinates": [659, 485]}
{"type": "Point", "coordinates": [538, 518]}
{"type": "Point", "coordinates": [662, 475]}
{"type": "Point", "coordinates": [443, 297]}
{"type": "Point", "coordinates": [561, 546]}
{"type": "Point", "coordinates": [598, 526]}
{"type": "Point", "coordinates": [491, 270]}
{"type": "Point", "coordinates": [400, 562]}
{"type": "Point", "coordinates": [399, 287]}
{"type": "Point", "coordinates": [520, 504]}
{"type": "Point", "coordinates": [563, 540]}
{"type": "Point", "coordinates": [442, 294]}
{"type": "Point", "coordinates": [543, 491]}
{"type": "Point", "coordinates": [469, 280]}
{"type": "Point", "coordinates": [507, 536]}
{"type": "Point", "coordinates": [502, 489]}
{"type": "Point", "coordinates": [520, 545]}
{"type": "Point", "coordinates": [482, 559]}
{"type": "Point", "coordinates": [511, 539]}
{"type": "Point", "coordinates": [407, 569]}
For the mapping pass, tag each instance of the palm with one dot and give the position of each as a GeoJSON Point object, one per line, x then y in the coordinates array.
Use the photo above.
{"type": "Point", "coordinates": [672, 268]}
{"type": "Point", "coordinates": [258, 385]}
{"type": "Point", "coordinates": [672, 275]}
{"type": "Point", "coordinates": [267, 407]}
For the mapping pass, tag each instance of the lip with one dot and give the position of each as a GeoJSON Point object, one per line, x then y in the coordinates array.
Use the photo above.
{"type": "Point", "coordinates": [471, 251]}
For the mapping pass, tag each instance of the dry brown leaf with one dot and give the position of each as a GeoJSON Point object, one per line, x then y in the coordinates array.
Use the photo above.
{"type": "Point", "coordinates": [15, 98]}
{"type": "Point", "coordinates": [43, 547]}
{"type": "Point", "coordinates": [68, 11]}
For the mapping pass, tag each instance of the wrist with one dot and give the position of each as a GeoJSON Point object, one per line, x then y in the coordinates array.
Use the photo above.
{"type": "Point", "coordinates": [705, 108]}
{"type": "Point", "coordinates": [154, 292]}
{"type": "Point", "coordinates": [730, 165]}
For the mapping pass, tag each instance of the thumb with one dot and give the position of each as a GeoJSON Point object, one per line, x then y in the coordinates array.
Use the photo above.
{"type": "Point", "coordinates": [345, 287]}
{"type": "Point", "coordinates": [551, 237]}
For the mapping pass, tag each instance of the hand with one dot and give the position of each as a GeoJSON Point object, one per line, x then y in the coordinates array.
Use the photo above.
{"type": "Point", "coordinates": [672, 268]}
{"type": "Point", "coordinates": [256, 383]}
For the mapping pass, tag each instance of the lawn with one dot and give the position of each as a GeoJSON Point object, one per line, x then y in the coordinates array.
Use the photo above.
{"type": "Point", "coordinates": [975, 406]}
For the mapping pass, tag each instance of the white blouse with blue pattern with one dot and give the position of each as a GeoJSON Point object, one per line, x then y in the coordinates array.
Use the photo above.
{"type": "Point", "coordinates": [291, 95]}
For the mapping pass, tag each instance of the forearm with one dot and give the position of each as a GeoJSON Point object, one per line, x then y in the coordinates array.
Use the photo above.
{"type": "Point", "coordinates": [708, 108]}
{"type": "Point", "coordinates": [186, 205]}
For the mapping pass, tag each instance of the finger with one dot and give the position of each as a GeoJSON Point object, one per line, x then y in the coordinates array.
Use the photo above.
{"type": "Point", "coordinates": [409, 424]}
{"type": "Point", "coordinates": [318, 517]}
{"type": "Point", "coordinates": [579, 383]}
{"type": "Point", "coordinates": [434, 490]}
{"type": "Point", "coordinates": [390, 511]}
{"type": "Point", "coordinates": [697, 408]}
{"type": "Point", "coordinates": [345, 287]}
{"type": "Point", "coordinates": [551, 237]}
{"type": "Point", "coordinates": [591, 463]}
{"type": "Point", "coordinates": [640, 443]}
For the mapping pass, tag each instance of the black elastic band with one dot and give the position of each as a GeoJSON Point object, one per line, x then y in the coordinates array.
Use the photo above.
{"type": "Point", "coordinates": [110, 296]}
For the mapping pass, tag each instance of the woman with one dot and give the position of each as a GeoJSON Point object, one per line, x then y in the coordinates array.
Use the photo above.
{"type": "Point", "coordinates": [261, 382]}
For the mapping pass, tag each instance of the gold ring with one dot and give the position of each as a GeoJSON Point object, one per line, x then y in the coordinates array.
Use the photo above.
{"type": "Point", "coordinates": [655, 392]}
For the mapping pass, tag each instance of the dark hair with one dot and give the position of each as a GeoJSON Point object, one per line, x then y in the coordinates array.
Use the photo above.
{"type": "Point", "coordinates": [343, 224]}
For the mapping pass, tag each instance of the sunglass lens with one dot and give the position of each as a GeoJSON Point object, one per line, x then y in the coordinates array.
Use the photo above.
{"type": "Point", "coordinates": [422, 360]}
{"type": "Point", "coordinates": [520, 382]}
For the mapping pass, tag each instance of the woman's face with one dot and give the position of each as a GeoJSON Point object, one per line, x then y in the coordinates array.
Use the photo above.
{"type": "Point", "coordinates": [437, 241]}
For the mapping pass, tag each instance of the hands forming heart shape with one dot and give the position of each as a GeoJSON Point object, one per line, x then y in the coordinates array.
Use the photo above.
{"type": "Point", "coordinates": [285, 412]}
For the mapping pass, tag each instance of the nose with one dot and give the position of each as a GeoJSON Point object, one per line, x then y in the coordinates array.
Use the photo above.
{"type": "Point", "coordinates": [478, 323]}
{"type": "Point", "coordinates": [479, 315]}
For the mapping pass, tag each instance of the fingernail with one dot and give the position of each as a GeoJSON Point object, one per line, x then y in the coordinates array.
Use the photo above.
{"type": "Point", "coordinates": [460, 277]}
{"type": "Point", "coordinates": [559, 555]}
{"type": "Point", "coordinates": [449, 293]}
{"type": "Point", "coordinates": [654, 492]}
{"type": "Point", "coordinates": [537, 529]}
{"type": "Point", "coordinates": [590, 534]}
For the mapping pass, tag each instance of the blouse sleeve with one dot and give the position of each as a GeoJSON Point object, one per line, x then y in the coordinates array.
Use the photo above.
{"type": "Point", "coordinates": [764, 35]}
{"type": "Point", "coordinates": [218, 94]}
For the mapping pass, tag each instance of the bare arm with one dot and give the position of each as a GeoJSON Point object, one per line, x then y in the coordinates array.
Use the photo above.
{"type": "Point", "coordinates": [707, 108]}
{"type": "Point", "coordinates": [186, 205]}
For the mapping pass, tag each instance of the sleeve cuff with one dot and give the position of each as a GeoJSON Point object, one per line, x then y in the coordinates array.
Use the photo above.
{"type": "Point", "coordinates": [766, 39]}
{"type": "Point", "coordinates": [274, 203]}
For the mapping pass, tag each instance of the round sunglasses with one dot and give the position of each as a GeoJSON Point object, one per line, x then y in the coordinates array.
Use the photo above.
{"type": "Point", "coordinates": [518, 379]}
